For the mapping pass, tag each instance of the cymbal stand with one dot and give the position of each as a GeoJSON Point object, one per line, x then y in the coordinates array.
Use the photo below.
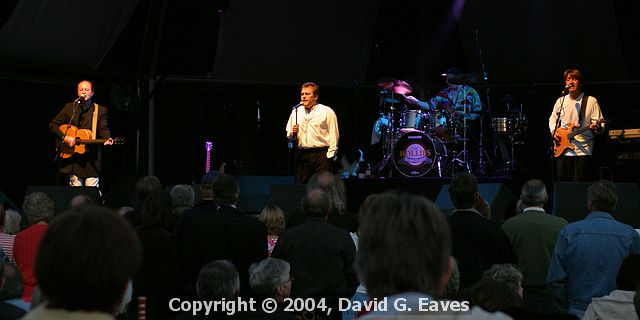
{"type": "Point", "coordinates": [461, 158]}
{"type": "Point", "coordinates": [387, 145]}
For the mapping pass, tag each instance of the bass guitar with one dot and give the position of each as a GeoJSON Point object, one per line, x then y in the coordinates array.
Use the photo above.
{"type": "Point", "coordinates": [562, 139]}
{"type": "Point", "coordinates": [83, 137]}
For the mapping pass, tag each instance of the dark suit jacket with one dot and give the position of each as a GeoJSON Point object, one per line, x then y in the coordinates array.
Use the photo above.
{"type": "Point", "coordinates": [226, 234]}
{"type": "Point", "coordinates": [321, 257]}
{"type": "Point", "coordinates": [478, 243]}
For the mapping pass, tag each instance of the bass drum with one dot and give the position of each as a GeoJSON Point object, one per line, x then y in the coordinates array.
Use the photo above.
{"type": "Point", "coordinates": [416, 154]}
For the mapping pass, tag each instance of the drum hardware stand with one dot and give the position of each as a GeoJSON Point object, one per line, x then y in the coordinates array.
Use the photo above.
{"type": "Point", "coordinates": [387, 145]}
{"type": "Point", "coordinates": [461, 158]}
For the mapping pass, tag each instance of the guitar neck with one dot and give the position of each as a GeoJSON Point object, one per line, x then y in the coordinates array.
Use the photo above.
{"type": "Point", "coordinates": [576, 132]}
{"type": "Point", "coordinates": [92, 141]}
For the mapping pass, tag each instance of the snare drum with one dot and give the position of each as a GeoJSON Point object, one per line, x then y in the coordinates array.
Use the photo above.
{"type": "Point", "coordinates": [416, 154]}
{"type": "Point", "coordinates": [413, 120]}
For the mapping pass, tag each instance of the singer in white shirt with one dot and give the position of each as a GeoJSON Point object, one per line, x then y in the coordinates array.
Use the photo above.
{"type": "Point", "coordinates": [576, 164]}
{"type": "Point", "coordinates": [314, 127]}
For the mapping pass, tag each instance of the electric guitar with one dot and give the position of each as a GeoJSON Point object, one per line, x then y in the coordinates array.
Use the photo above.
{"type": "Point", "coordinates": [562, 139]}
{"type": "Point", "coordinates": [83, 137]}
{"type": "Point", "coordinates": [208, 145]}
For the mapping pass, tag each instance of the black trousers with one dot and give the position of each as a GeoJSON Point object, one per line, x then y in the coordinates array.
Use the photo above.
{"type": "Point", "coordinates": [311, 161]}
{"type": "Point", "coordinates": [576, 168]}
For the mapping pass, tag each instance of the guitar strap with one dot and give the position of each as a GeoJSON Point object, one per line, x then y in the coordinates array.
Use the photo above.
{"type": "Point", "coordinates": [583, 108]}
{"type": "Point", "coordinates": [94, 123]}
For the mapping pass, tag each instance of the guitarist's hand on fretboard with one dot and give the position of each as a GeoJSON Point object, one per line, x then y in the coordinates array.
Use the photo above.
{"type": "Point", "coordinates": [108, 142]}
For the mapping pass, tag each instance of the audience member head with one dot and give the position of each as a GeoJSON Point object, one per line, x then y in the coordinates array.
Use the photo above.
{"type": "Point", "coordinates": [534, 193]}
{"type": "Point", "coordinates": [80, 200]}
{"type": "Point", "coordinates": [226, 190]}
{"type": "Point", "coordinates": [13, 287]}
{"type": "Point", "coordinates": [124, 210]}
{"type": "Point", "coordinates": [37, 206]}
{"type": "Point", "coordinates": [217, 280]}
{"type": "Point", "coordinates": [364, 206]}
{"type": "Point", "coordinates": [183, 197]}
{"type": "Point", "coordinates": [156, 208]}
{"type": "Point", "coordinates": [316, 203]}
{"type": "Point", "coordinates": [463, 190]}
{"type": "Point", "coordinates": [145, 186]}
{"type": "Point", "coordinates": [333, 185]}
{"type": "Point", "coordinates": [273, 218]}
{"type": "Point", "coordinates": [492, 295]}
{"type": "Point", "coordinates": [507, 274]}
{"type": "Point", "coordinates": [12, 221]}
{"type": "Point", "coordinates": [415, 224]}
{"type": "Point", "coordinates": [628, 277]}
{"type": "Point", "coordinates": [602, 196]}
{"type": "Point", "coordinates": [205, 184]}
{"type": "Point", "coordinates": [86, 259]}
{"type": "Point", "coordinates": [270, 278]}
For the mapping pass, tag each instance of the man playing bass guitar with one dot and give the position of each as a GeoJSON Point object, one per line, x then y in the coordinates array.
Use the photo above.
{"type": "Point", "coordinates": [83, 167]}
{"type": "Point", "coordinates": [574, 120]}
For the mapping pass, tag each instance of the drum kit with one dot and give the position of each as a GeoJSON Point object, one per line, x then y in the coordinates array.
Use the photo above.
{"type": "Point", "coordinates": [416, 142]}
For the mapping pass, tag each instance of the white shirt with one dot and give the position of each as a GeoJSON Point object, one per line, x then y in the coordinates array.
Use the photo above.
{"type": "Point", "coordinates": [317, 128]}
{"type": "Point", "coordinates": [583, 142]}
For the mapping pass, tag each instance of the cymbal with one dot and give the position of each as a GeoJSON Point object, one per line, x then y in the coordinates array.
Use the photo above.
{"type": "Point", "coordinates": [397, 86]}
{"type": "Point", "coordinates": [402, 87]}
{"type": "Point", "coordinates": [386, 83]}
{"type": "Point", "coordinates": [465, 78]}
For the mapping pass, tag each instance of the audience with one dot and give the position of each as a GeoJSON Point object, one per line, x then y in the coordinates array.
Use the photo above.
{"type": "Point", "coordinates": [478, 243]}
{"type": "Point", "coordinates": [8, 311]}
{"type": "Point", "coordinates": [6, 240]}
{"type": "Point", "coordinates": [13, 289]}
{"type": "Point", "coordinates": [533, 235]}
{"type": "Point", "coordinates": [588, 253]}
{"type": "Point", "coordinates": [159, 278]}
{"type": "Point", "coordinates": [405, 253]}
{"type": "Point", "coordinates": [79, 201]}
{"type": "Point", "coordinates": [12, 221]}
{"type": "Point", "coordinates": [84, 264]}
{"type": "Point", "coordinates": [38, 208]}
{"type": "Point", "coordinates": [321, 255]}
{"type": "Point", "coordinates": [507, 274]}
{"type": "Point", "coordinates": [273, 219]}
{"type": "Point", "coordinates": [619, 303]}
{"type": "Point", "coordinates": [144, 187]}
{"type": "Point", "coordinates": [183, 197]}
{"type": "Point", "coordinates": [271, 278]}
{"type": "Point", "coordinates": [228, 234]}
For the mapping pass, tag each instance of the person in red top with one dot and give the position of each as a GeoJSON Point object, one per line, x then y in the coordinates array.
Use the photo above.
{"type": "Point", "coordinates": [38, 208]}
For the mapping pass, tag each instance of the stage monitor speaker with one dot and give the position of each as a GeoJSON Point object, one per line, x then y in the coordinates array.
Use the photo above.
{"type": "Point", "coordinates": [500, 199]}
{"type": "Point", "coordinates": [287, 197]}
{"type": "Point", "coordinates": [570, 202]}
{"type": "Point", "coordinates": [254, 191]}
{"type": "Point", "coordinates": [7, 203]}
{"type": "Point", "coordinates": [62, 195]}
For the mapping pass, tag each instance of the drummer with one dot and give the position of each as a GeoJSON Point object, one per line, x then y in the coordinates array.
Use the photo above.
{"type": "Point", "coordinates": [454, 98]}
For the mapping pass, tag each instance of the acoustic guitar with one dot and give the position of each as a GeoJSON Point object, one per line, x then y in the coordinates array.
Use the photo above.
{"type": "Point", "coordinates": [83, 137]}
{"type": "Point", "coordinates": [563, 138]}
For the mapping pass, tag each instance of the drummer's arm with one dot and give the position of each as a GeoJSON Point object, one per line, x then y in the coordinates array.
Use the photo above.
{"type": "Point", "coordinates": [422, 104]}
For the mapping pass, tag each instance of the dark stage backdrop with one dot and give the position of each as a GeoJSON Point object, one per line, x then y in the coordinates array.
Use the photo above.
{"type": "Point", "coordinates": [293, 40]}
{"type": "Point", "coordinates": [64, 32]}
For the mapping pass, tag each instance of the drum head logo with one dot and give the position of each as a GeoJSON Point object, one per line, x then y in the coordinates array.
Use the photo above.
{"type": "Point", "coordinates": [415, 155]}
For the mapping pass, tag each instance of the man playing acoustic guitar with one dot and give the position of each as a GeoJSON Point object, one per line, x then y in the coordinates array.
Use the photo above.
{"type": "Point", "coordinates": [81, 123]}
{"type": "Point", "coordinates": [573, 121]}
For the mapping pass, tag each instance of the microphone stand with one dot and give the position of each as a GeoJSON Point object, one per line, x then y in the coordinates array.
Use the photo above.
{"type": "Point", "coordinates": [76, 103]}
{"type": "Point", "coordinates": [553, 135]}
{"type": "Point", "coordinates": [487, 89]}
{"type": "Point", "coordinates": [293, 143]}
